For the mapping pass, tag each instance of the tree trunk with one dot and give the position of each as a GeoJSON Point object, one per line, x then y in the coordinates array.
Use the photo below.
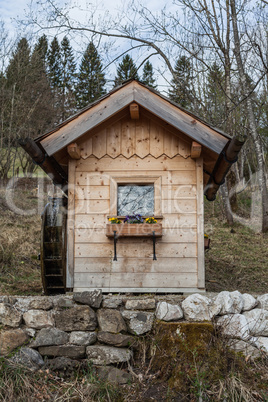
{"type": "Point", "coordinates": [226, 204]}
{"type": "Point", "coordinates": [251, 119]}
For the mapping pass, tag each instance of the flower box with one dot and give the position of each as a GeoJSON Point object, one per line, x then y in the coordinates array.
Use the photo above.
{"type": "Point", "coordinates": [134, 229]}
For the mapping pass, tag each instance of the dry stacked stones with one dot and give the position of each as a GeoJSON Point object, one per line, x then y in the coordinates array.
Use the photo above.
{"type": "Point", "coordinates": [104, 329]}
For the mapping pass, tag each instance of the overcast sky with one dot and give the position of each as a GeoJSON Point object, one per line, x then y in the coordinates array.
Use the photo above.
{"type": "Point", "coordinates": [12, 10]}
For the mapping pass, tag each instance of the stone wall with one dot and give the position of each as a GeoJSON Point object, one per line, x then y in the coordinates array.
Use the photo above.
{"type": "Point", "coordinates": [103, 328]}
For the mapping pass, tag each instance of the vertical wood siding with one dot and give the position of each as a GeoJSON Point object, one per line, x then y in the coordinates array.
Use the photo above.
{"type": "Point", "coordinates": [141, 149]}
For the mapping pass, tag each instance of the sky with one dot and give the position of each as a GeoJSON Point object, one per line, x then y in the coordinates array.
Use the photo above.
{"type": "Point", "coordinates": [12, 10]}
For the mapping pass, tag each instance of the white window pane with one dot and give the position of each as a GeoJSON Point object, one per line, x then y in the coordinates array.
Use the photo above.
{"type": "Point", "coordinates": [135, 199]}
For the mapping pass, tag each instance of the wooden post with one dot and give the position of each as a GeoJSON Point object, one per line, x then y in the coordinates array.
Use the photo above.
{"type": "Point", "coordinates": [200, 225]}
{"type": "Point", "coordinates": [70, 226]}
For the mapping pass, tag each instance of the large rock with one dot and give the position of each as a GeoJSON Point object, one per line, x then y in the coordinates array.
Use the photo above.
{"type": "Point", "coordinates": [28, 357]}
{"type": "Point", "coordinates": [263, 301]}
{"type": "Point", "coordinates": [30, 331]}
{"type": "Point", "coordinates": [168, 312]}
{"type": "Point", "coordinates": [112, 303]}
{"type": "Point", "coordinates": [64, 302]}
{"type": "Point", "coordinates": [40, 303]}
{"type": "Point", "coordinates": [234, 326]}
{"type": "Point", "coordinates": [257, 321]}
{"type": "Point", "coordinates": [142, 304]}
{"type": "Point", "coordinates": [10, 340]}
{"type": "Point", "coordinates": [79, 318]}
{"type": "Point", "coordinates": [22, 303]}
{"type": "Point", "coordinates": [249, 302]}
{"type": "Point", "coordinates": [199, 308]}
{"type": "Point", "coordinates": [103, 355]}
{"type": "Point", "coordinates": [50, 337]}
{"type": "Point", "coordinates": [246, 348]}
{"type": "Point", "coordinates": [111, 321]}
{"type": "Point", "coordinates": [138, 322]}
{"type": "Point", "coordinates": [9, 315]}
{"type": "Point", "coordinates": [263, 343]}
{"type": "Point", "coordinates": [113, 375]}
{"type": "Point", "coordinates": [118, 340]}
{"type": "Point", "coordinates": [82, 338]}
{"type": "Point", "coordinates": [8, 299]}
{"type": "Point", "coordinates": [230, 302]}
{"type": "Point", "coordinates": [63, 366]}
{"type": "Point", "coordinates": [92, 298]}
{"type": "Point", "coordinates": [72, 351]}
{"type": "Point", "coordinates": [38, 319]}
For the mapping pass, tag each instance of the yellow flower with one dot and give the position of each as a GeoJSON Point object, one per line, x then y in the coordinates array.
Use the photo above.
{"type": "Point", "coordinates": [151, 220]}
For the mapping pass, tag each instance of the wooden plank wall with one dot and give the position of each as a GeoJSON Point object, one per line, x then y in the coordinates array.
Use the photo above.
{"type": "Point", "coordinates": [141, 137]}
{"type": "Point", "coordinates": [177, 251]}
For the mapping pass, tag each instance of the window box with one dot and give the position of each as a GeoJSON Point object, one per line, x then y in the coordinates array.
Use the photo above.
{"type": "Point", "coordinates": [134, 229]}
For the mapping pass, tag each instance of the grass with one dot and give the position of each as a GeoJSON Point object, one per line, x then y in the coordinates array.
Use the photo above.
{"type": "Point", "coordinates": [20, 384]}
{"type": "Point", "coordinates": [20, 244]}
{"type": "Point", "coordinates": [238, 257]}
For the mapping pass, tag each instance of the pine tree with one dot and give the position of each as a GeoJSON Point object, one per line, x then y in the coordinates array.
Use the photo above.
{"type": "Point", "coordinates": [41, 48]}
{"type": "Point", "coordinates": [28, 99]}
{"type": "Point", "coordinates": [181, 84]}
{"type": "Point", "coordinates": [147, 75]}
{"type": "Point", "coordinates": [215, 97]}
{"type": "Point", "coordinates": [67, 84]}
{"type": "Point", "coordinates": [54, 64]}
{"type": "Point", "coordinates": [90, 80]}
{"type": "Point", "coordinates": [41, 94]}
{"type": "Point", "coordinates": [126, 70]}
{"type": "Point", "coordinates": [18, 68]}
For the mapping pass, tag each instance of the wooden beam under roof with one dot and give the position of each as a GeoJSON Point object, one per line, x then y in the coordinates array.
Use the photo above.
{"type": "Point", "coordinates": [195, 150]}
{"type": "Point", "coordinates": [134, 111]}
{"type": "Point", "coordinates": [49, 165]}
{"type": "Point", "coordinates": [74, 151]}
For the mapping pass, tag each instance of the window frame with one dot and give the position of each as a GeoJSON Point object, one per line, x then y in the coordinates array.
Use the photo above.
{"type": "Point", "coordinates": [156, 181]}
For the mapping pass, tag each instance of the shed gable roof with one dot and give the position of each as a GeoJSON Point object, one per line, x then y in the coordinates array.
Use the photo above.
{"type": "Point", "coordinates": [219, 151]}
{"type": "Point", "coordinates": [120, 98]}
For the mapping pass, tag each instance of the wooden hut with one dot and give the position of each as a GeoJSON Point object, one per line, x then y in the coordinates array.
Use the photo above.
{"type": "Point", "coordinates": [135, 151]}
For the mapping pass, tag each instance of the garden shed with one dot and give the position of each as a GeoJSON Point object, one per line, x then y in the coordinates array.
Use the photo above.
{"type": "Point", "coordinates": [134, 152]}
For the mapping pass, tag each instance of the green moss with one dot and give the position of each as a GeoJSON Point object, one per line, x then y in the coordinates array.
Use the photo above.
{"type": "Point", "coordinates": [181, 349]}
{"type": "Point", "coordinates": [192, 359]}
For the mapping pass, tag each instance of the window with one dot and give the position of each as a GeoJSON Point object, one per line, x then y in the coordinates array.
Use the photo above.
{"type": "Point", "coordinates": [135, 199]}
{"type": "Point", "coordinates": [135, 195]}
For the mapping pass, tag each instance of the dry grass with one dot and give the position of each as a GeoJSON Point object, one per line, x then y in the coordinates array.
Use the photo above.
{"type": "Point", "coordinates": [20, 384]}
{"type": "Point", "coordinates": [19, 245]}
{"type": "Point", "coordinates": [238, 257]}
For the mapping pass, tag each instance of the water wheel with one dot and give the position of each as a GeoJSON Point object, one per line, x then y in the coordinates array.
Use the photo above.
{"type": "Point", "coordinates": [53, 247]}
